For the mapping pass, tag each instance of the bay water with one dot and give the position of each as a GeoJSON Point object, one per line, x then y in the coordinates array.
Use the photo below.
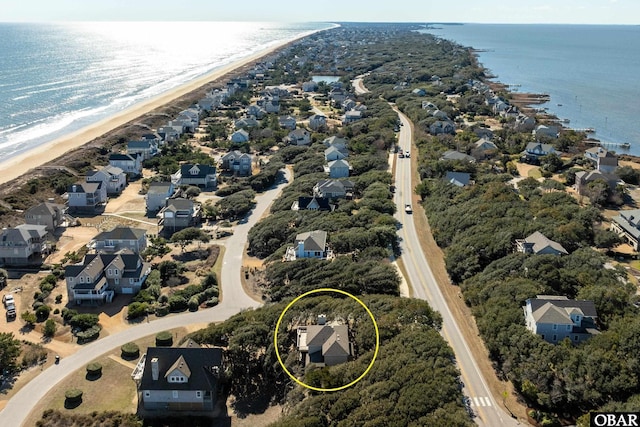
{"type": "Point", "coordinates": [590, 71]}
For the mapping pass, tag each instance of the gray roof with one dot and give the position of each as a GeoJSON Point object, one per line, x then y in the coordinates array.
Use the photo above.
{"type": "Point", "coordinates": [338, 164]}
{"type": "Point", "coordinates": [23, 233]}
{"type": "Point", "coordinates": [94, 264]}
{"type": "Point", "coordinates": [200, 363]}
{"type": "Point", "coordinates": [456, 155]}
{"type": "Point", "coordinates": [122, 233]}
{"type": "Point", "coordinates": [179, 204]}
{"type": "Point", "coordinates": [235, 154]}
{"type": "Point", "coordinates": [121, 156]}
{"type": "Point", "coordinates": [334, 340]}
{"type": "Point", "coordinates": [84, 187]}
{"type": "Point", "coordinates": [629, 220]}
{"type": "Point", "coordinates": [203, 170]}
{"type": "Point", "coordinates": [335, 140]}
{"type": "Point", "coordinates": [459, 179]}
{"type": "Point", "coordinates": [159, 187]}
{"type": "Point", "coordinates": [313, 240]}
{"type": "Point", "coordinates": [556, 309]}
{"type": "Point", "coordinates": [142, 145]}
{"type": "Point", "coordinates": [540, 241]}
{"type": "Point", "coordinates": [45, 208]}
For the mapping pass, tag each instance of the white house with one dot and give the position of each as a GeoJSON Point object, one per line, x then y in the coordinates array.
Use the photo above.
{"type": "Point", "coordinates": [538, 244]}
{"type": "Point", "coordinates": [113, 178]}
{"type": "Point", "coordinates": [203, 176]}
{"type": "Point", "coordinates": [131, 164]}
{"type": "Point", "coordinates": [157, 195]}
{"type": "Point", "coordinates": [89, 197]}
{"type": "Point", "coordinates": [332, 153]}
{"type": "Point", "coordinates": [287, 122]}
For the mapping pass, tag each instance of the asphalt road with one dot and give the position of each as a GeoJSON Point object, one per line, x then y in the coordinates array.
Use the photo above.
{"type": "Point", "coordinates": [424, 286]}
{"type": "Point", "coordinates": [233, 301]}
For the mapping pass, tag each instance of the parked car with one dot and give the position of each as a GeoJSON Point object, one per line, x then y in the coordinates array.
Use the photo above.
{"type": "Point", "coordinates": [8, 300]}
{"type": "Point", "coordinates": [408, 209]}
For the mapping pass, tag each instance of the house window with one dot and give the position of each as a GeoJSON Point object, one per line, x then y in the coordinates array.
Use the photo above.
{"type": "Point", "coordinates": [81, 279]}
{"type": "Point", "coordinates": [555, 327]}
{"type": "Point", "coordinates": [116, 281]}
{"type": "Point", "coordinates": [542, 336]}
{"type": "Point", "coordinates": [131, 281]}
{"type": "Point", "coordinates": [575, 338]}
{"type": "Point", "coordinates": [147, 394]}
{"type": "Point", "coordinates": [198, 394]}
{"type": "Point", "coordinates": [115, 271]}
{"type": "Point", "coordinates": [555, 338]}
{"type": "Point", "coordinates": [110, 272]}
{"type": "Point", "coordinates": [568, 327]}
{"type": "Point", "coordinates": [175, 394]}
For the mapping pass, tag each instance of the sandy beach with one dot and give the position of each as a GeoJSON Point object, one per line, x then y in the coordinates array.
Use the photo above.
{"type": "Point", "coordinates": [22, 163]}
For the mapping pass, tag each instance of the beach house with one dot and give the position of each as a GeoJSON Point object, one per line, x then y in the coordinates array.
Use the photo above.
{"type": "Point", "coordinates": [118, 239]}
{"type": "Point", "coordinates": [87, 197]}
{"type": "Point", "coordinates": [51, 215]}
{"type": "Point", "coordinates": [323, 344]}
{"type": "Point", "coordinates": [112, 177]}
{"type": "Point", "coordinates": [178, 214]}
{"type": "Point", "coordinates": [338, 169]}
{"type": "Point", "coordinates": [173, 380]}
{"type": "Point", "coordinates": [99, 277]}
{"type": "Point", "coordinates": [236, 163]}
{"type": "Point", "coordinates": [627, 225]}
{"type": "Point", "coordinates": [157, 195]}
{"type": "Point", "coordinates": [131, 164]}
{"type": "Point", "coordinates": [24, 245]}
{"type": "Point", "coordinates": [555, 318]}
{"type": "Point", "coordinates": [203, 176]}
{"type": "Point", "coordinates": [538, 244]}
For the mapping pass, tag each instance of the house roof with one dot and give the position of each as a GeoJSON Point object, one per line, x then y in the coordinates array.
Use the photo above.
{"type": "Point", "coordinates": [123, 157]}
{"type": "Point", "coordinates": [323, 203]}
{"type": "Point", "coordinates": [23, 232]}
{"type": "Point", "coordinates": [333, 185]}
{"type": "Point", "coordinates": [334, 340]}
{"type": "Point", "coordinates": [235, 154]}
{"type": "Point", "coordinates": [159, 187]}
{"type": "Point", "coordinates": [201, 363]}
{"type": "Point", "coordinates": [335, 140]}
{"type": "Point", "coordinates": [536, 146]}
{"type": "Point", "coordinates": [313, 240]}
{"type": "Point", "coordinates": [144, 144]}
{"type": "Point", "coordinates": [93, 264]}
{"type": "Point", "coordinates": [122, 233]}
{"type": "Point", "coordinates": [179, 205]}
{"type": "Point", "coordinates": [181, 365]}
{"type": "Point", "coordinates": [540, 242]}
{"type": "Point", "coordinates": [298, 133]}
{"type": "Point", "coordinates": [202, 170]}
{"type": "Point", "coordinates": [459, 179]}
{"type": "Point", "coordinates": [557, 309]}
{"type": "Point", "coordinates": [45, 208]}
{"type": "Point", "coordinates": [456, 155]}
{"type": "Point", "coordinates": [629, 220]}
{"type": "Point", "coordinates": [84, 187]}
{"type": "Point", "coordinates": [333, 149]}
{"type": "Point", "coordinates": [338, 164]}
{"type": "Point", "coordinates": [485, 144]}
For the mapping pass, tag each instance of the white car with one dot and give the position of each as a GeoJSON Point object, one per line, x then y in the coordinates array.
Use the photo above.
{"type": "Point", "coordinates": [8, 300]}
{"type": "Point", "coordinates": [407, 209]}
{"type": "Point", "coordinates": [407, 154]}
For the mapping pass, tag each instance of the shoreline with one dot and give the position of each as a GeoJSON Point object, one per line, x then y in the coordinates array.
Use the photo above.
{"type": "Point", "coordinates": [20, 165]}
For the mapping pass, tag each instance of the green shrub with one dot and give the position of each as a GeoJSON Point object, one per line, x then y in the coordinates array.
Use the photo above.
{"type": "Point", "coordinates": [89, 334]}
{"type": "Point", "coordinates": [162, 310]}
{"type": "Point", "coordinates": [130, 350]}
{"type": "Point", "coordinates": [177, 303]}
{"type": "Point", "coordinates": [68, 314]}
{"type": "Point", "coordinates": [212, 302]}
{"type": "Point", "coordinates": [136, 310]}
{"type": "Point", "coordinates": [94, 369]}
{"type": "Point", "coordinates": [193, 303]}
{"type": "Point", "coordinates": [164, 339]}
{"type": "Point", "coordinates": [83, 321]}
{"type": "Point", "coordinates": [73, 398]}
{"type": "Point", "coordinates": [56, 311]}
{"type": "Point", "coordinates": [58, 299]}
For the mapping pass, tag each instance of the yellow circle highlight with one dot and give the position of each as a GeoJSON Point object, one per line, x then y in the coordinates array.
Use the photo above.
{"type": "Point", "coordinates": [315, 291]}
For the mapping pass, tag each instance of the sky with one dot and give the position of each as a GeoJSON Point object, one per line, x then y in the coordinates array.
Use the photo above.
{"type": "Point", "coordinates": [484, 11]}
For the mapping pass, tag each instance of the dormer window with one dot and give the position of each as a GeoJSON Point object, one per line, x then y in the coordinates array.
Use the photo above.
{"type": "Point", "coordinates": [194, 170]}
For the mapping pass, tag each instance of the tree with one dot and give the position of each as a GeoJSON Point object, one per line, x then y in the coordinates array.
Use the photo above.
{"type": "Point", "coordinates": [49, 328]}
{"type": "Point", "coordinates": [29, 317]}
{"type": "Point", "coordinates": [9, 352]}
{"type": "Point", "coordinates": [186, 236]}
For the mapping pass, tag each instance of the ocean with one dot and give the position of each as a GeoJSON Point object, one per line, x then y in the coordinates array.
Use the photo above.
{"type": "Point", "coordinates": [590, 71]}
{"type": "Point", "coordinates": [61, 77]}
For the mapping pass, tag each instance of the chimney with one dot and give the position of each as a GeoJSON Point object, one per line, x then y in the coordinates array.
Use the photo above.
{"type": "Point", "coordinates": [155, 369]}
{"type": "Point", "coordinates": [322, 319]}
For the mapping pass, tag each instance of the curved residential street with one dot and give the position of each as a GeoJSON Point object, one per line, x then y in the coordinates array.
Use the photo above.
{"type": "Point", "coordinates": [233, 301]}
{"type": "Point", "coordinates": [422, 282]}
